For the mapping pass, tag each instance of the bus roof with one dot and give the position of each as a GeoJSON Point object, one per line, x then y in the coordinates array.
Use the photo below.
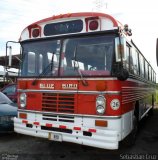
{"type": "Point", "coordinates": [81, 14]}
{"type": "Point", "coordinates": [105, 22]}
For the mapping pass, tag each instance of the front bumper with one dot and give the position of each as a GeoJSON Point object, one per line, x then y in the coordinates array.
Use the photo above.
{"type": "Point", "coordinates": [81, 131]}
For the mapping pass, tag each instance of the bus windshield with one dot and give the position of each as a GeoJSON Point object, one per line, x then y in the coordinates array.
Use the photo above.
{"type": "Point", "coordinates": [91, 55]}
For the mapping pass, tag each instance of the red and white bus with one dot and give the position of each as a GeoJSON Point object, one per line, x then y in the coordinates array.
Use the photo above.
{"type": "Point", "coordinates": [82, 80]}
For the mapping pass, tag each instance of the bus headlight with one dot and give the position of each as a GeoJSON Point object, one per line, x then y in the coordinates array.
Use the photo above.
{"type": "Point", "coordinates": [23, 100]}
{"type": "Point", "coordinates": [100, 104]}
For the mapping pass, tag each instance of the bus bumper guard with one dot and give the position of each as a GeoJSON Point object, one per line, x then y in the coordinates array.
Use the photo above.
{"type": "Point", "coordinates": [106, 139]}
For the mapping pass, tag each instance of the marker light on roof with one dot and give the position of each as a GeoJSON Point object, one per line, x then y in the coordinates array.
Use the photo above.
{"type": "Point", "coordinates": [35, 32]}
{"type": "Point", "coordinates": [93, 25]}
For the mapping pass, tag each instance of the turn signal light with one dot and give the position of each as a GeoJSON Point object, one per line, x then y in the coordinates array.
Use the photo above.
{"type": "Point", "coordinates": [101, 123]}
{"type": "Point", "coordinates": [35, 32]}
{"type": "Point", "coordinates": [22, 115]}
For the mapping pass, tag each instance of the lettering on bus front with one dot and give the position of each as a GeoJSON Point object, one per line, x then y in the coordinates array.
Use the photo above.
{"type": "Point", "coordinates": [69, 86]}
{"type": "Point", "coordinates": [46, 86]}
{"type": "Point", "coordinates": [52, 86]}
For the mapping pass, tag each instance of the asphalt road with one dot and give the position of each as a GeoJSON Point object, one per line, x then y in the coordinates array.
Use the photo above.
{"type": "Point", "coordinates": [20, 147]}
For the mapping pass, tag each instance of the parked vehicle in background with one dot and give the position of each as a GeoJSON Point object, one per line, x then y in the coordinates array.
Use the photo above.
{"type": "Point", "coordinates": [10, 91]}
{"type": "Point", "coordinates": [8, 111]}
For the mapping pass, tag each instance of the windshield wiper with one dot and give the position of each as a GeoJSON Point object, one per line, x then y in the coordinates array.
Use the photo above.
{"type": "Point", "coordinates": [45, 70]}
{"type": "Point", "coordinates": [84, 82]}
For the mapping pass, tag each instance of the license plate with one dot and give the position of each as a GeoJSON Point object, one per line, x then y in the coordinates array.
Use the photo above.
{"type": "Point", "coordinates": [55, 137]}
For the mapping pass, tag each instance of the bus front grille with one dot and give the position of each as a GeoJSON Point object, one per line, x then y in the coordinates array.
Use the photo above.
{"type": "Point", "coordinates": [58, 102]}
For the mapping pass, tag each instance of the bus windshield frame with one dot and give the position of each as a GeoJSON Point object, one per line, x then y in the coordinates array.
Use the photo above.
{"type": "Point", "coordinates": [92, 55]}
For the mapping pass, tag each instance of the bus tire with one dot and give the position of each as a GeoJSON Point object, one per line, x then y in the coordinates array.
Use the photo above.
{"type": "Point", "coordinates": [131, 138]}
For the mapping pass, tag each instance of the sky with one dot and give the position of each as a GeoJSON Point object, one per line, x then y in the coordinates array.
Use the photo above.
{"type": "Point", "coordinates": [140, 15]}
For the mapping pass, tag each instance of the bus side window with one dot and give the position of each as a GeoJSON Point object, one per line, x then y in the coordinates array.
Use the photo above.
{"type": "Point", "coordinates": [141, 65]}
{"type": "Point", "coordinates": [134, 57]}
{"type": "Point", "coordinates": [154, 77]}
{"type": "Point", "coordinates": [131, 65]}
{"type": "Point", "coordinates": [127, 61]}
{"type": "Point", "coordinates": [149, 73]}
{"type": "Point", "coordinates": [146, 70]}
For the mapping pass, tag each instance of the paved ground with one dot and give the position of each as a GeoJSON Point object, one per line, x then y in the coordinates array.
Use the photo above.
{"type": "Point", "coordinates": [19, 147]}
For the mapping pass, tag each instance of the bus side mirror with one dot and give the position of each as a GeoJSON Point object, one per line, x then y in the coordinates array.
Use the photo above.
{"type": "Point", "coordinates": [12, 48]}
{"type": "Point", "coordinates": [157, 51]}
{"type": "Point", "coordinates": [10, 55]}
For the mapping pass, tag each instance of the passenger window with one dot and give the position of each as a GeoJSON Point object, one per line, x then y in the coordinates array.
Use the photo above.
{"type": "Point", "coordinates": [150, 73]}
{"type": "Point", "coordinates": [141, 65]}
{"type": "Point", "coordinates": [146, 70]}
{"type": "Point", "coordinates": [127, 62]}
{"type": "Point", "coordinates": [134, 62]}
